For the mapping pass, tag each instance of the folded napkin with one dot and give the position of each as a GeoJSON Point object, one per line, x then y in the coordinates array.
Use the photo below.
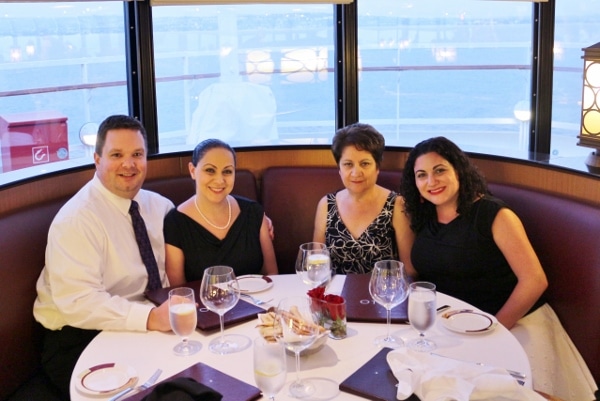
{"type": "Point", "coordinates": [435, 378]}
{"type": "Point", "coordinates": [182, 389]}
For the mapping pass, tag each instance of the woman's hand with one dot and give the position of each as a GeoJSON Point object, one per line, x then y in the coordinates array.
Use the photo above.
{"type": "Point", "coordinates": [271, 227]}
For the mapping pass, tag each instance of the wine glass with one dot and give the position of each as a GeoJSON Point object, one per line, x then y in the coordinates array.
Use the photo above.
{"type": "Point", "coordinates": [296, 330]}
{"type": "Point", "coordinates": [313, 264]}
{"type": "Point", "coordinates": [421, 313]}
{"type": "Point", "coordinates": [270, 367]}
{"type": "Point", "coordinates": [220, 292]}
{"type": "Point", "coordinates": [183, 318]}
{"type": "Point", "coordinates": [388, 287]}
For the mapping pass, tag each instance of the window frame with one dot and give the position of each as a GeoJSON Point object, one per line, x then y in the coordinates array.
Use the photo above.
{"type": "Point", "coordinates": [141, 81]}
{"type": "Point", "coordinates": [141, 84]}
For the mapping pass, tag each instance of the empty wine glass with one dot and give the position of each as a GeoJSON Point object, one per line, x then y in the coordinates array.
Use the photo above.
{"type": "Point", "coordinates": [313, 264]}
{"type": "Point", "coordinates": [183, 318]}
{"type": "Point", "coordinates": [270, 367]}
{"type": "Point", "coordinates": [421, 313]}
{"type": "Point", "coordinates": [297, 331]}
{"type": "Point", "coordinates": [388, 287]}
{"type": "Point", "coordinates": [220, 292]}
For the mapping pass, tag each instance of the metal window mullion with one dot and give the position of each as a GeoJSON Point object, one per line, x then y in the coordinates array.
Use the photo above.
{"type": "Point", "coordinates": [542, 79]}
{"type": "Point", "coordinates": [346, 64]}
{"type": "Point", "coordinates": [140, 68]}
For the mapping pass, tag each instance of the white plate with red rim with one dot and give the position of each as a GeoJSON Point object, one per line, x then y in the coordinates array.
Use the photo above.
{"type": "Point", "coordinates": [468, 321]}
{"type": "Point", "coordinates": [252, 283]}
{"type": "Point", "coordinates": [106, 379]}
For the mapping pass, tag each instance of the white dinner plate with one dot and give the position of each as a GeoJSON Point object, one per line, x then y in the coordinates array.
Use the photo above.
{"type": "Point", "coordinates": [252, 283]}
{"type": "Point", "coordinates": [468, 321]}
{"type": "Point", "coordinates": [106, 379]}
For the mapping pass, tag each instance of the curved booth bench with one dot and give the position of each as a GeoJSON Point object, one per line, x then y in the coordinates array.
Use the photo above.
{"type": "Point", "coordinates": [563, 232]}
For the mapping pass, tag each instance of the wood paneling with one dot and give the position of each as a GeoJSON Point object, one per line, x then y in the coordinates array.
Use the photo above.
{"type": "Point", "coordinates": [574, 185]}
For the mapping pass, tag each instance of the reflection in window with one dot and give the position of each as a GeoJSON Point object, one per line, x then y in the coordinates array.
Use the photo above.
{"type": "Point", "coordinates": [62, 66]}
{"type": "Point", "coordinates": [250, 75]}
{"type": "Point", "coordinates": [454, 68]}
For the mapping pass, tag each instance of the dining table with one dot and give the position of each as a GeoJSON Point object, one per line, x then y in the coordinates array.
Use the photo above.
{"type": "Point", "coordinates": [145, 352]}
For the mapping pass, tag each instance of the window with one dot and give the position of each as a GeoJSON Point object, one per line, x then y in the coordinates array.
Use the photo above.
{"type": "Point", "coordinates": [249, 75]}
{"type": "Point", "coordinates": [62, 67]}
{"type": "Point", "coordinates": [263, 75]}
{"type": "Point", "coordinates": [460, 68]}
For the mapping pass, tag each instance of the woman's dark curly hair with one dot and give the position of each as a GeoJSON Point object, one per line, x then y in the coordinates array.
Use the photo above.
{"type": "Point", "coordinates": [363, 137]}
{"type": "Point", "coordinates": [471, 182]}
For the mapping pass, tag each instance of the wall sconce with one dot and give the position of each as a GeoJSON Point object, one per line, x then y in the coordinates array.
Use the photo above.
{"type": "Point", "coordinates": [522, 112]}
{"type": "Point", "coordinates": [87, 136]}
{"type": "Point", "coordinates": [590, 106]}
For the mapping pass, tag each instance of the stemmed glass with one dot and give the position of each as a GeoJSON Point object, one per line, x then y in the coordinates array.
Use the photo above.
{"type": "Point", "coordinates": [183, 318]}
{"type": "Point", "coordinates": [270, 367]}
{"type": "Point", "coordinates": [421, 313]}
{"type": "Point", "coordinates": [220, 292]}
{"type": "Point", "coordinates": [388, 287]}
{"type": "Point", "coordinates": [313, 264]}
{"type": "Point", "coordinates": [297, 331]}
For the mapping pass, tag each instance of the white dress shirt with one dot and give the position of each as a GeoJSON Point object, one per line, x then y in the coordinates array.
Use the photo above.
{"type": "Point", "coordinates": [94, 276]}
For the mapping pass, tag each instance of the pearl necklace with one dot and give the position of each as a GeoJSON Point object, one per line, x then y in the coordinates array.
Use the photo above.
{"type": "Point", "coordinates": [208, 221]}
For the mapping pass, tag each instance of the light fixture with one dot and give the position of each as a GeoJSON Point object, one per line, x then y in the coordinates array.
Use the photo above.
{"type": "Point", "coordinates": [590, 106]}
{"type": "Point", "coordinates": [522, 112]}
{"type": "Point", "coordinates": [87, 136]}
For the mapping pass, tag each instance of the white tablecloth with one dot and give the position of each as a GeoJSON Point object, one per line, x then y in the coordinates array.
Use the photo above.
{"type": "Point", "coordinates": [146, 352]}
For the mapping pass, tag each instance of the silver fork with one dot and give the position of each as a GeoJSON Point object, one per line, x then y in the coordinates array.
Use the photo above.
{"type": "Point", "coordinates": [256, 300]}
{"type": "Point", "coordinates": [139, 388]}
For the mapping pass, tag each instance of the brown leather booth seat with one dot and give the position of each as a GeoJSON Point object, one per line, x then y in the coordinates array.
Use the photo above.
{"type": "Point", "coordinates": [565, 236]}
{"type": "Point", "coordinates": [23, 237]}
{"type": "Point", "coordinates": [563, 232]}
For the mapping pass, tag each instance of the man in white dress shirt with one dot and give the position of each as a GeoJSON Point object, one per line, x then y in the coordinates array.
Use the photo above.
{"type": "Point", "coordinates": [94, 278]}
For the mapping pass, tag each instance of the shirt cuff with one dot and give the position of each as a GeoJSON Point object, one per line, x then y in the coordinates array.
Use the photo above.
{"type": "Point", "coordinates": [138, 316]}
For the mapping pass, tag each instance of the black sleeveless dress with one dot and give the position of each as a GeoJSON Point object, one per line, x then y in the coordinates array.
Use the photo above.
{"type": "Point", "coordinates": [239, 249]}
{"type": "Point", "coordinates": [462, 259]}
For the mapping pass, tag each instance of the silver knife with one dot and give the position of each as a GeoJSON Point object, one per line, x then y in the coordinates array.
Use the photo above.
{"type": "Point", "coordinates": [139, 388]}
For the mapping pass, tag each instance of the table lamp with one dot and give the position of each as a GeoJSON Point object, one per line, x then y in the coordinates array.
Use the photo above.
{"type": "Point", "coordinates": [590, 107]}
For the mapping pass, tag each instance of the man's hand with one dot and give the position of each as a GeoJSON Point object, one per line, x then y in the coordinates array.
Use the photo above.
{"type": "Point", "coordinates": [158, 319]}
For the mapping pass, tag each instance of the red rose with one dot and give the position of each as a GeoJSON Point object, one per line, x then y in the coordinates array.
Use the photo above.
{"type": "Point", "coordinates": [316, 297]}
{"type": "Point", "coordinates": [335, 306]}
{"type": "Point", "coordinates": [334, 299]}
{"type": "Point", "coordinates": [317, 293]}
{"type": "Point", "coordinates": [329, 305]}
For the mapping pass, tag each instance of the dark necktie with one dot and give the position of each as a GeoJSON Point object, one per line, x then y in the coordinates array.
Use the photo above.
{"type": "Point", "coordinates": [141, 236]}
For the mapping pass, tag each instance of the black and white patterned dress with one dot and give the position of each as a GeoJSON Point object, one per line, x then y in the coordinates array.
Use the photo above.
{"type": "Point", "coordinates": [358, 255]}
